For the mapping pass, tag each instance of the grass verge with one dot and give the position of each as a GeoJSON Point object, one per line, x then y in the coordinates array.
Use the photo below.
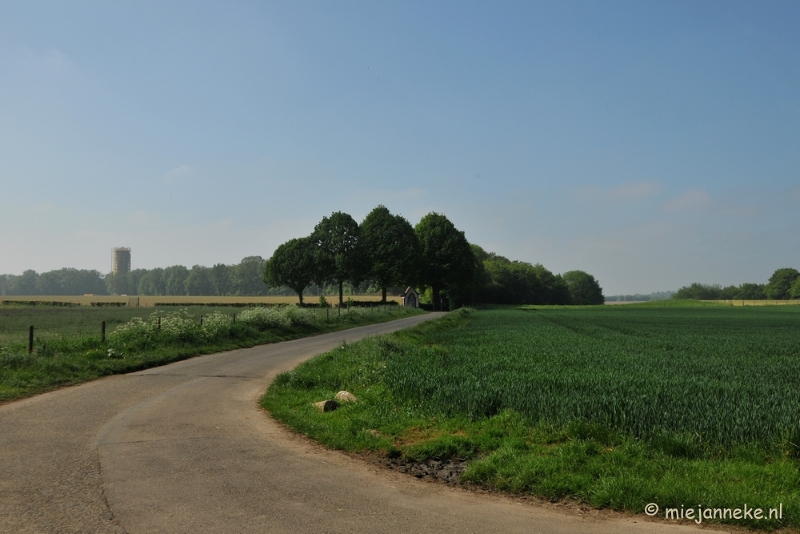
{"type": "Point", "coordinates": [66, 360]}
{"type": "Point", "coordinates": [441, 391]}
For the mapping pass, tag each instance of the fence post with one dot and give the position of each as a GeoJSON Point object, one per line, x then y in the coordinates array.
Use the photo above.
{"type": "Point", "coordinates": [103, 332]}
{"type": "Point", "coordinates": [30, 340]}
{"type": "Point", "coordinates": [234, 318]}
{"type": "Point", "coordinates": [159, 323]}
{"type": "Point", "coordinates": [201, 320]}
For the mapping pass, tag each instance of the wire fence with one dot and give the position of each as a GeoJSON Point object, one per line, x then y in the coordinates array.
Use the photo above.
{"type": "Point", "coordinates": [19, 334]}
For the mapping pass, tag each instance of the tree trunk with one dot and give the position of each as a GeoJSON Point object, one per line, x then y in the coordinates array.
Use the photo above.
{"type": "Point", "coordinates": [383, 292]}
{"type": "Point", "coordinates": [300, 295]}
{"type": "Point", "coordinates": [341, 293]}
{"type": "Point", "coordinates": [437, 302]}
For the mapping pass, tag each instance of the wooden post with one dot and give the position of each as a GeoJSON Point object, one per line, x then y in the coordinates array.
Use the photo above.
{"type": "Point", "coordinates": [234, 318]}
{"type": "Point", "coordinates": [201, 320]}
{"type": "Point", "coordinates": [159, 323]}
{"type": "Point", "coordinates": [103, 332]}
{"type": "Point", "coordinates": [30, 340]}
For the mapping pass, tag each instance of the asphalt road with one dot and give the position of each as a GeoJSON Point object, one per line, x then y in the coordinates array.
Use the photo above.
{"type": "Point", "coordinates": [184, 448]}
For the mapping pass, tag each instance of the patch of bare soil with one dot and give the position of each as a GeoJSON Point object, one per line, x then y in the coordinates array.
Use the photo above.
{"type": "Point", "coordinates": [447, 471]}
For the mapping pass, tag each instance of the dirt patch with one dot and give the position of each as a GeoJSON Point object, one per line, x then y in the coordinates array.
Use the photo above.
{"type": "Point", "coordinates": [447, 471]}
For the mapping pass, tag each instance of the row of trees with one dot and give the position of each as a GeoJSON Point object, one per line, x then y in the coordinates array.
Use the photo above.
{"type": "Point", "coordinates": [639, 297]}
{"type": "Point", "coordinates": [387, 251]}
{"type": "Point", "coordinates": [384, 249]}
{"type": "Point", "coordinates": [503, 281]}
{"type": "Point", "coordinates": [784, 284]}
{"type": "Point", "coordinates": [384, 253]}
{"type": "Point", "coordinates": [244, 278]}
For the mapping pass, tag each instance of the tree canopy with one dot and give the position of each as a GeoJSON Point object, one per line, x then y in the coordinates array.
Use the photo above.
{"type": "Point", "coordinates": [780, 283]}
{"type": "Point", "coordinates": [385, 252]}
{"type": "Point", "coordinates": [783, 284]}
{"type": "Point", "coordinates": [449, 263]}
{"type": "Point", "coordinates": [338, 253]}
{"type": "Point", "coordinates": [391, 249]}
{"type": "Point", "coordinates": [583, 288]}
{"type": "Point", "coordinates": [292, 264]}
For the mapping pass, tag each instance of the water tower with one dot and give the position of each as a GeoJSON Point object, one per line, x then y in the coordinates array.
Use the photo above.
{"type": "Point", "coordinates": [122, 260]}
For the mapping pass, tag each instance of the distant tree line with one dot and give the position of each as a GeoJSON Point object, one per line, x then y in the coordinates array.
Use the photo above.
{"type": "Point", "coordinates": [639, 297]}
{"type": "Point", "coordinates": [784, 284]}
{"type": "Point", "coordinates": [386, 251]}
{"type": "Point", "coordinates": [244, 278]}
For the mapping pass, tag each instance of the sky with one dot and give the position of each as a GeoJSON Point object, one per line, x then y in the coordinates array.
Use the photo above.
{"type": "Point", "coordinates": [651, 144]}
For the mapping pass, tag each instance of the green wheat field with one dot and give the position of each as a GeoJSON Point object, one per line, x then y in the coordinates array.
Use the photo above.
{"type": "Point", "coordinates": [612, 406]}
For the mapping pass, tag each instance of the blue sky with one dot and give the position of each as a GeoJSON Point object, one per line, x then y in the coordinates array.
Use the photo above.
{"type": "Point", "coordinates": [652, 144]}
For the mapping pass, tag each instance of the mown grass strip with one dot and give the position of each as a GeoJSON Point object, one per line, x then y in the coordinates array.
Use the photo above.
{"type": "Point", "coordinates": [616, 407]}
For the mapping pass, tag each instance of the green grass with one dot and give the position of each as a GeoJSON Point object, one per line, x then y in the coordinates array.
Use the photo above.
{"type": "Point", "coordinates": [68, 348]}
{"type": "Point", "coordinates": [612, 406]}
{"type": "Point", "coordinates": [57, 322]}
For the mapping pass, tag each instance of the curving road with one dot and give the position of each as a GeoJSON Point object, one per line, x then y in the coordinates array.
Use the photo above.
{"type": "Point", "coordinates": [184, 448]}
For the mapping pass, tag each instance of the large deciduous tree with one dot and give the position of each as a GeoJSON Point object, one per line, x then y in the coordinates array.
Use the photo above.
{"type": "Point", "coordinates": [391, 249]}
{"type": "Point", "coordinates": [449, 263]}
{"type": "Point", "coordinates": [780, 283]}
{"type": "Point", "coordinates": [338, 251]}
{"type": "Point", "coordinates": [583, 288]}
{"type": "Point", "coordinates": [292, 264]}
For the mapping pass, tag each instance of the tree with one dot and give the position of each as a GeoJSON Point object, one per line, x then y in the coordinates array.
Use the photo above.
{"type": "Point", "coordinates": [292, 264]}
{"type": "Point", "coordinates": [175, 277]}
{"type": "Point", "coordinates": [480, 276]}
{"type": "Point", "coordinates": [780, 283]}
{"type": "Point", "coordinates": [199, 281]}
{"type": "Point", "coordinates": [505, 283]}
{"type": "Point", "coordinates": [794, 292]}
{"type": "Point", "coordinates": [583, 288]}
{"type": "Point", "coordinates": [751, 292]}
{"type": "Point", "coordinates": [391, 248]}
{"type": "Point", "coordinates": [119, 284]}
{"type": "Point", "coordinates": [248, 277]}
{"type": "Point", "coordinates": [148, 284]}
{"type": "Point", "coordinates": [220, 275]}
{"type": "Point", "coordinates": [449, 263]}
{"type": "Point", "coordinates": [698, 291]}
{"type": "Point", "coordinates": [338, 252]}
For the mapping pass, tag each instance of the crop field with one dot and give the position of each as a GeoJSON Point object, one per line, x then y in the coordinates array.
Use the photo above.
{"type": "Point", "coordinates": [617, 406]}
{"type": "Point", "coordinates": [726, 376]}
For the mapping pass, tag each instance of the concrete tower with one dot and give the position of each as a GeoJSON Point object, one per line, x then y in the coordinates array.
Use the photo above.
{"type": "Point", "coordinates": [122, 260]}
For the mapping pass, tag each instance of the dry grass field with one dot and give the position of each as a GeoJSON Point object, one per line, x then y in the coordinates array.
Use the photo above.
{"type": "Point", "coordinates": [151, 301]}
{"type": "Point", "coordinates": [756, 302]}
